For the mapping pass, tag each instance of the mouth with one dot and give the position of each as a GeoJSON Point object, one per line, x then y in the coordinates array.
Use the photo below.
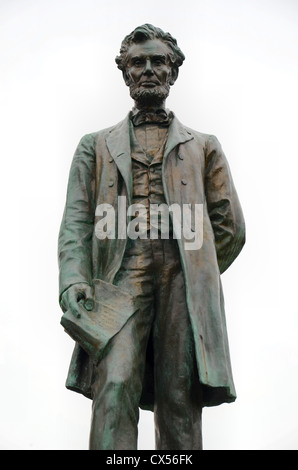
{"type": "Point", "coordinates": [149, 84]}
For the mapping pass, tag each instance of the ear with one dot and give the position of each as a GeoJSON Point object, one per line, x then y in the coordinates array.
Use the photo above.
{"type": "Point", "coordinates": [126, 78]}
{"type": "Point", "coordinates": [174, 75]}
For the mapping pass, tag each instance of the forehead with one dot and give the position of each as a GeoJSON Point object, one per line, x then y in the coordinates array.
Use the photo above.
{"type": "Point", "coordinates": [151, 47]}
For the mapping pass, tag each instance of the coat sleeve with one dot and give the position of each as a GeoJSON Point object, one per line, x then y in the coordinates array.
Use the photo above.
{"type": "Point", "coordinates": [223, 205]}
{"type": "Point", "coordinates": [75, 236]}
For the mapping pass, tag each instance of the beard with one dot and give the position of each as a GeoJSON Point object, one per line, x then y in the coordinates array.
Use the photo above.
{"type": "Point", "coordinates": [149, 97]}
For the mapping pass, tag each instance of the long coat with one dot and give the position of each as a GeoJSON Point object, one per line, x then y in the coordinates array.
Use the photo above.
{"type": "Point", "coordinates": [194, 171]}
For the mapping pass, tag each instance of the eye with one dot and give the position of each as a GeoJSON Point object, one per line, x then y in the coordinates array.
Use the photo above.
{"type": "Point", "coordinates": [138, 62]}
{"type": "Point", "coordinates": [159, 61]}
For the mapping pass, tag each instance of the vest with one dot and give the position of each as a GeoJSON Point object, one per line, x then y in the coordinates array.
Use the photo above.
{"type": "Point", "coordinates": [147, 149]}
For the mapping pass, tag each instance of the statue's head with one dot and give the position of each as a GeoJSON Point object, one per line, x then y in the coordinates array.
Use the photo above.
{"type": "Point", "coordinates": [149, 60]}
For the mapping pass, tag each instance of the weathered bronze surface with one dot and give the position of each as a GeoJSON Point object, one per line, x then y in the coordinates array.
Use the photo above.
{"type": "Point", "coordinates": [170, 353]}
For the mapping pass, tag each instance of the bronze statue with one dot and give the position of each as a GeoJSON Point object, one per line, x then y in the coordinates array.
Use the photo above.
{"type": "Point", "coordinates": [170, 355]}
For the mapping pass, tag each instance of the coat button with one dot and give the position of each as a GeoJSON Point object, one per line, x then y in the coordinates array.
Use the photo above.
{"type": "Point", "coordinates": [111, 183]}
{"type": "Point", "coordinates": [184, 182]}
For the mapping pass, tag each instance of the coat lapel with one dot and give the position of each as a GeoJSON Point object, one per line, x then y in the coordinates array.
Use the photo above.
{"type": "Point", "coordinates": [118, 143]}
{"type": "Point", "coordinates": [177, 135]}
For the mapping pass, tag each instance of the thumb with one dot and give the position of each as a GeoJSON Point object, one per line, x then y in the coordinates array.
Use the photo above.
{"type": "Point", "coordinates": [89, 301]}
{"type": "Point", "coordinates": [89, 304]}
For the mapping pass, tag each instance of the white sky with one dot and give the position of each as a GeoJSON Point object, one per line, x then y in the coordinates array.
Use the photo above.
{"type": "Point", "coordinates": [239, 82]}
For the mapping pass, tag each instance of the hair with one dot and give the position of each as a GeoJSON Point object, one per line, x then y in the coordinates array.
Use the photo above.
{"type": "Point", "coordinates": [142, 34]}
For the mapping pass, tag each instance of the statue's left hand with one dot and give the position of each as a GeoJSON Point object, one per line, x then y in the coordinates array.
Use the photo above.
{"type": "Point", "coordinates": [76, 296]}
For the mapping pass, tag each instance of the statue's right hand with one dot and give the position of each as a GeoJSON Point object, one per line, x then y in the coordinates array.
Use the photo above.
{"type": "Point", "coordinates": [76, 296]}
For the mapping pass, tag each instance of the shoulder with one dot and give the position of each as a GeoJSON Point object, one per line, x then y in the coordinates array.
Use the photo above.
{"type": "Point", "coordinates": [209, 141]}
{"type": "Point", "coordinates": [92, 138]}
{"type": "Point", "coordinates": [89, 142]}
{"type": "Point", "coordinates": [97, 137]}
{"type": "Point", "coordinates": [200, 138]}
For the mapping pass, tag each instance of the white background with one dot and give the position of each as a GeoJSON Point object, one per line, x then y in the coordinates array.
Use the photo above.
{"type": "Point", "coordinates": [58, 82]}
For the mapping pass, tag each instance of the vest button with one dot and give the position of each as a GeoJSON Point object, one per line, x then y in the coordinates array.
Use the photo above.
{"type": "Point", "coordinates": [111, 183]}
{"type": "Point", "coordinates": [111, 159]}
{"type": "Point", "coordinates": [180, 157]}
{"type": "Point", "coordinates": [184, 182]}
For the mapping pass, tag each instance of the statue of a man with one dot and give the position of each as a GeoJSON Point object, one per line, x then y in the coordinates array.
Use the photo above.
{"type": "Point", "coordinates": [172, 356]}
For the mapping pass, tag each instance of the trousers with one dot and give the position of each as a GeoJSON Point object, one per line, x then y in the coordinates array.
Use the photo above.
{"type": "Point", "coordinates": [151, 271]}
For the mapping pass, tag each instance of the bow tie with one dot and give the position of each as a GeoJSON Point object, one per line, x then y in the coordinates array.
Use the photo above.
{"type": "Point", "coordinates": [159, 117]}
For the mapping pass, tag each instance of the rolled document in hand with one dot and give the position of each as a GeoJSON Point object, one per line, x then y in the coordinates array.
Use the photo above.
{"type": "Point", "coordinates": [94, 329]}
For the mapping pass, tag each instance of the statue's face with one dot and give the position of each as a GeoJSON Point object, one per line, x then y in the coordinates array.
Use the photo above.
{"type": "Point", "coordinates": [148, 72]}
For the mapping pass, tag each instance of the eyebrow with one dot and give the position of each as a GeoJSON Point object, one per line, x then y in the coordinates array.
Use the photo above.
{"type": "Point", "coordinates": [154, 56]}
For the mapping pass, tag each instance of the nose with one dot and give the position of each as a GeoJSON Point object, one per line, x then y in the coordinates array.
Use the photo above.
{"type": "Point", "coordinates": [148, 68]}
